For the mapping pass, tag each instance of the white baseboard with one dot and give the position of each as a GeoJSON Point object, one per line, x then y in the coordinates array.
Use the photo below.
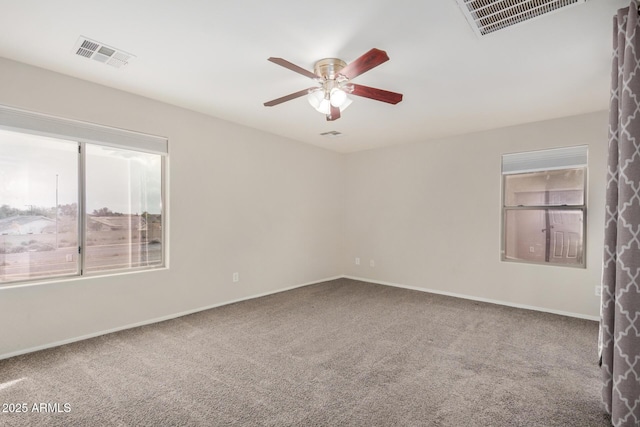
{"type": "Point", "coordinates": [362, 279]}
{"type": "Point", "coordinates": [155, 320]}
{"type": "Point", "coordinates": [474, 298]}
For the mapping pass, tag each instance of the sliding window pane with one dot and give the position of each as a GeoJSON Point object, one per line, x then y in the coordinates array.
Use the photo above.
{"type": "Point", "coordinates": [38, 207]}
{"type": "Point", "coordinates": [123, 209]}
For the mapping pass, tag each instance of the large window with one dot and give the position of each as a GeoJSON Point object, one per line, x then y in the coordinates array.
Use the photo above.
{"type": "Point", "coordinates": [77, 198]}
{"type": "Point", "coordinates": [544, 206]}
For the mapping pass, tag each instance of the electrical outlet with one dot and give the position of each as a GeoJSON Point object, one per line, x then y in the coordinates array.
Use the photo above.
{"type": "Point", "coordinates": [532, 249]}
{"type": "Point", "coordinates": [372, 263]}
{"type": "Point", "coordinates": [357, 261]}
{"type": "Point", "coordinates": [236, 277]}
{"type": "Point", "coordinates": [598, 291]}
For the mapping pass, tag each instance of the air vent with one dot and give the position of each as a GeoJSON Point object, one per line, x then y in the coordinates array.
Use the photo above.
{"type": "Point", "coordinates": [488, 16]}
{"type": "Point", "coordinates": [331, 134]}
{"type": "Point", "coordinates": [101, 52]}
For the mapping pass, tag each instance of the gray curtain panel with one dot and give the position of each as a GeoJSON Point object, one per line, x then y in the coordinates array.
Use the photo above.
{"type": "Point", "coordinates": [620, 310]}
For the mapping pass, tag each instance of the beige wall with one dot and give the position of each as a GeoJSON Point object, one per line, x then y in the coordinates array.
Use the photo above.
{"type": "Point", "coordinates": [240, 201]}
{"type": "Point", "coordinates": [428, 214]}
{"type": "Point", "coordinates": [283, 214]}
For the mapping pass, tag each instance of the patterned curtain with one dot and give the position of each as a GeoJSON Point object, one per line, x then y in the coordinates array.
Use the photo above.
{"type": "Point", "coordinates": [620, 310]}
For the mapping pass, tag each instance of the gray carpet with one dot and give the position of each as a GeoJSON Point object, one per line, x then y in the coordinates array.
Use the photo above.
{"type": "Point", "coordinates": [337, 353]}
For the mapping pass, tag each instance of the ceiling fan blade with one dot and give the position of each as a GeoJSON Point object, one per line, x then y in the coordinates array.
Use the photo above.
{"type": "Point", "coordinates": [293, 67]}
{"type": "Point", "coordinates": [334, 114]}
{"type": "Point", "coordinates": [289, 97]}
{"type": "Point", "coordinates": [377, 94]}
{"type": "Point", "coordinates": [369, 60]}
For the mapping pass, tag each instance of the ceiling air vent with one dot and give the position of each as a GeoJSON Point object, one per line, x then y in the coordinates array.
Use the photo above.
{"type": "Point", "coordinates": [487, 16]}
{"type": "Point", "coordinates": [101, 52]}
{"type": "Point", "coordinates": [331, 134]}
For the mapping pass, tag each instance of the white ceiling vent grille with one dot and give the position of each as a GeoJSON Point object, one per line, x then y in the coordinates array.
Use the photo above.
{"type": "Point", "coordinates": [101, 52]}
{"type": "Point", "coordinates": [331, 134]}
{"type": "Point", "coordinates": [487, 16]}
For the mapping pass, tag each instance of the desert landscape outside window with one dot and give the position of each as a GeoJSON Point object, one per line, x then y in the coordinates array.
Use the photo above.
{"type": "Point", "coordinates": [123, 217]}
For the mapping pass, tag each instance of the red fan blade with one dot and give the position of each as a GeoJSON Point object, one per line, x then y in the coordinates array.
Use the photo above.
{"type": "Point", "coordinates": [371, 59]}
{"type": "Point", "coordinates": [293, 67]}
{"type": "Point", "coordinates": [334, 114]}
{"type": "Point", "coordinates": [377, 94]}
{"type": "Point", "coordinates": [289, 97]}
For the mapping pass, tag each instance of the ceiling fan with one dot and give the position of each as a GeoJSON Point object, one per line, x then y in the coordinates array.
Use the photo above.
{"type": "Point", "coordinates": [334, 78]}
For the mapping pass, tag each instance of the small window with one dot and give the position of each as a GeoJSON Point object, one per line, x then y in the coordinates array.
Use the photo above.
{"type": "Point", "coordinates": [544, 206]}
{"type": "Point", "coordinates": [77, 198]}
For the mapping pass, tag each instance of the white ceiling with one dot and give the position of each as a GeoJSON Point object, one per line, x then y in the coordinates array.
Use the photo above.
{"type": "Point", "coordinates": [211, 56]}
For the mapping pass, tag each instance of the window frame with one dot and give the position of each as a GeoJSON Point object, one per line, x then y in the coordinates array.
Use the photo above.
{"type": "Point", "coordinates": [83, 134]}
{"type": "Point", "coordinates": [548, 209]}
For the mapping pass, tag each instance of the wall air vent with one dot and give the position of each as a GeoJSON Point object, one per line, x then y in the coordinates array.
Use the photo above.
{"type": "Point", "coordinates": [101, 52]}
{"type": "Point", "coordinates": [488, 16]}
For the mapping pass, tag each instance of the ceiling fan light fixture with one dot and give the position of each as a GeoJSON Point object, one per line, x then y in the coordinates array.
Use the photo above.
{"type": "Point", "coordinates": [338, 97]}
{"type": "Point", "coordinates": [345, 104]}
{"type": "Point", "coordinates": [315, 98]}
{"type": "Point", "coordinates": [324, 107]}
{"type": "Point", "coordinates": [319, 101]}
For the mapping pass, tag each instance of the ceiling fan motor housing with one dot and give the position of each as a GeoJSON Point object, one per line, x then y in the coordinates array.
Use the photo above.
{"type": "Point", "coordinates": [329, 68]}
